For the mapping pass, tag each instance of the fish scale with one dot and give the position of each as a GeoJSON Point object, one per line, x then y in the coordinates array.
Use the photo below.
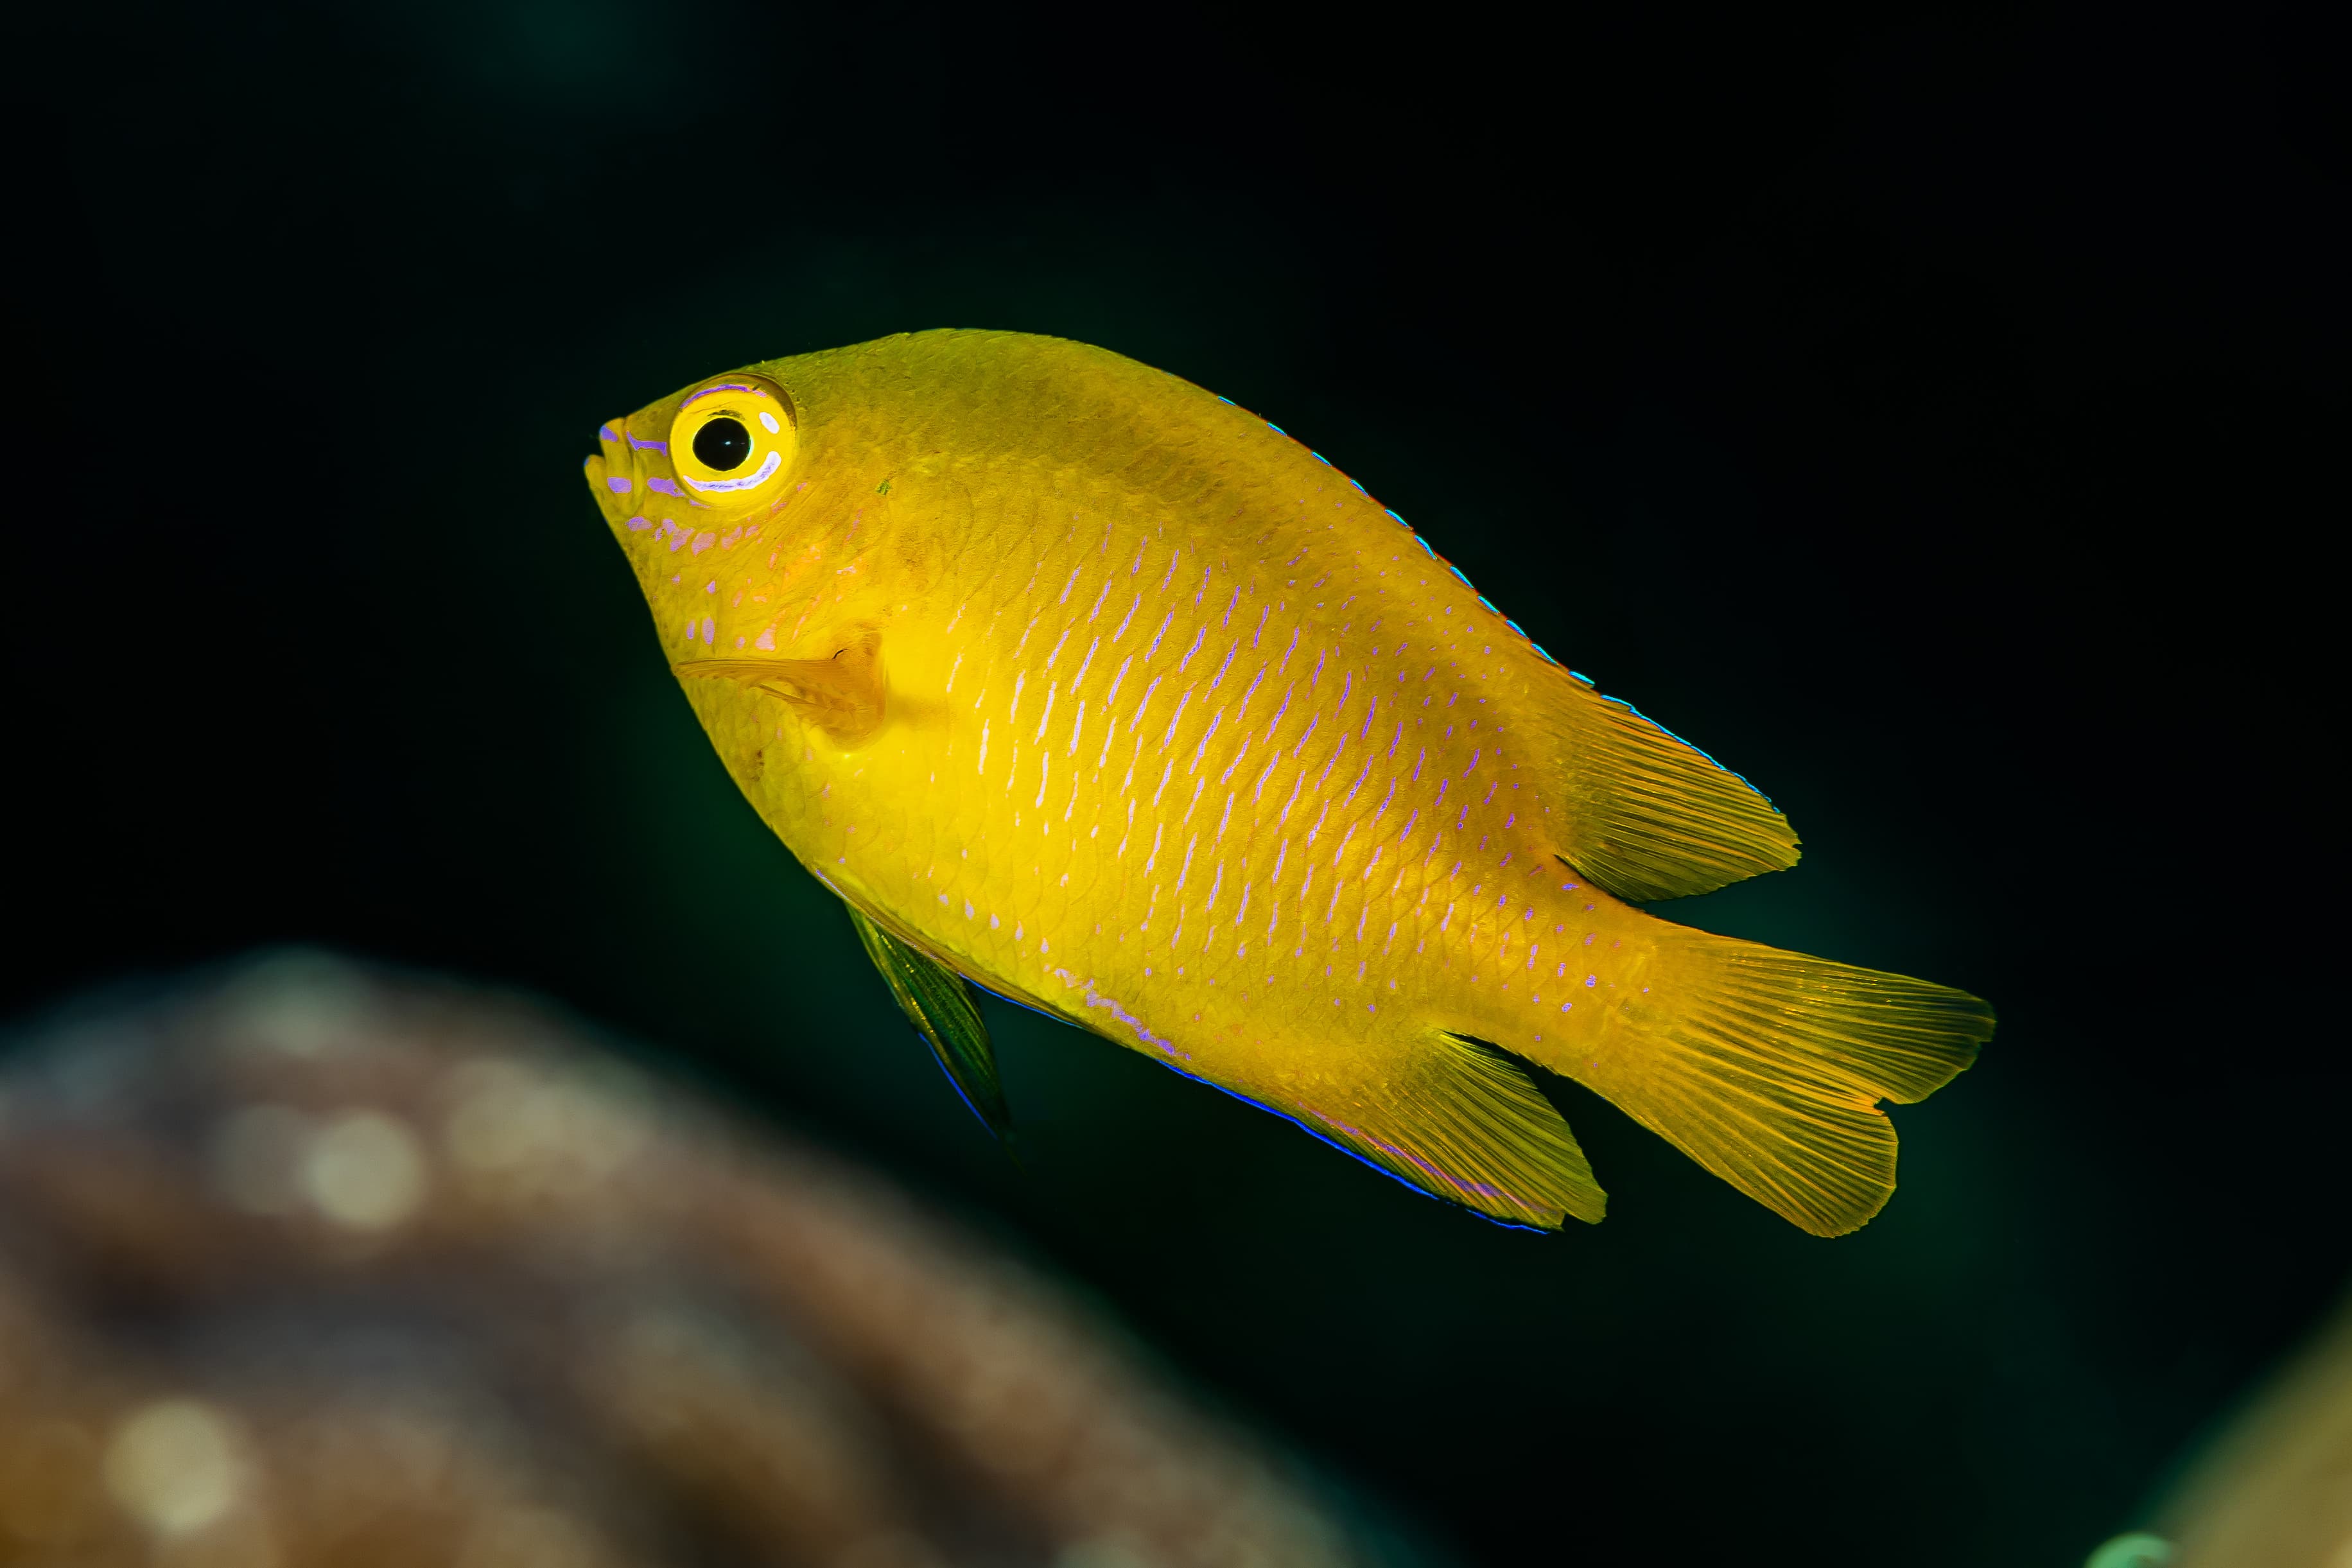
{"type": "Point", "coordinates": [1102, 693]}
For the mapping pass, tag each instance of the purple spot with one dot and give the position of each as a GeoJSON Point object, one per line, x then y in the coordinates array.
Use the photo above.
{"type": "Point", "coordinates": [729, 386]}
{"type": "Point", "coordinates": [618, 486]}
{"type": "Point", "coordinates": [605, 432]}
{"type": "Point", "coordinates": [666, 486]}
{"type": "Point", "coordinates": [661, 447]}
{"type": "Point", "coordinates": [708, 630]}
{"type": "Point", "coordinates": [638, 525]}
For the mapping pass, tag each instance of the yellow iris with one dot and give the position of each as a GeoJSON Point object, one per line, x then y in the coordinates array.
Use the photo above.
{"type": "Point", "coordinates": [732, 442]}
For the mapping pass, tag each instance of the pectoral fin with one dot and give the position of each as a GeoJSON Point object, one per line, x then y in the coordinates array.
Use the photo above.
{"type": "Point", "coordinates": [939, 1002]}
{"type": "Point", "coordinates": [845, 695]}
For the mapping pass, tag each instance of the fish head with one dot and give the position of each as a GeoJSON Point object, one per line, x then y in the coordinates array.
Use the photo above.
{"type": "Point", "coordinates": [707, 468]}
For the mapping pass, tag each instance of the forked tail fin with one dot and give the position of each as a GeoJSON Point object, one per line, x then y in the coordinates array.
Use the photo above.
{"type": "Point", "coordinates": [1767, 1067]}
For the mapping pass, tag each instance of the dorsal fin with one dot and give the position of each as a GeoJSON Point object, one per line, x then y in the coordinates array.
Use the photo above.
{"type": "Point", "coordinates": [1652, 816]}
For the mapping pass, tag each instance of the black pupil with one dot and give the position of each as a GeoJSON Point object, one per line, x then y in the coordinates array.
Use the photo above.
{"type": "Point", "coordinates": [722, 445]}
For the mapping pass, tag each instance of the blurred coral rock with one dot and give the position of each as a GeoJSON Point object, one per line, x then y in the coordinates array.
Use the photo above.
{"type": "Point", "coordinates": [2274, 1490]}
{"type": "Point", "coordinates": [318, 1267]}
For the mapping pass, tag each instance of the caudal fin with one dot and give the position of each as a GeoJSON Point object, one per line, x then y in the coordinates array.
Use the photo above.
{"type": "Point", "coordinates": [1767, 1067]}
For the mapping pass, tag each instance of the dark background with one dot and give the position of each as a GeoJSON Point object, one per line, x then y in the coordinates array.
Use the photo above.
{"type": "Point", "coordinates": [1952, 408]}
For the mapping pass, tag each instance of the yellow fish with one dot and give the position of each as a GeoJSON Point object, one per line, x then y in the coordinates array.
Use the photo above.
{"type": "Point", "coordinates": [1081, 684]}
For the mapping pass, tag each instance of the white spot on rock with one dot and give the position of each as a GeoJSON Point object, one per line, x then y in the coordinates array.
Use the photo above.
{"type": "Point", "coordinates": [509, 1125]}
{"type": "Point", "coordinates": [173, 1466]}
{"type": "Point", "coordinates": [365, 1170]}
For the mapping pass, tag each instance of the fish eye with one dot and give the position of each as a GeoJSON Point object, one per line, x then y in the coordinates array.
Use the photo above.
{"type": "Point", "coordinates": [722, 445]}
{"type": "Point", "coordinates": [732, 440]}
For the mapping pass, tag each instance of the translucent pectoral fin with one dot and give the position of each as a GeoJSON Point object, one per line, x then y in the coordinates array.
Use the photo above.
{"type": "Point", "coordinates": [845, 695]}
{"type": "Point", "coordinates": [939, 1002]}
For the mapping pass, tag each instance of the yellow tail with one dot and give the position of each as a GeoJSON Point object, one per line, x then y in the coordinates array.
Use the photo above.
{"type": "Point", "coordinates": [1767, 1067]}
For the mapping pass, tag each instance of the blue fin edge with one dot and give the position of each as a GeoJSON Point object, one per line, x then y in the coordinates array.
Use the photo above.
{"type": "Point", "coordinates": [1270, 1110]}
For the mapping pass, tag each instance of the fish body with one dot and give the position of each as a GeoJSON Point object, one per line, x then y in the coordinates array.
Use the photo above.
{"type": "Point", "coordinates": [1108, 696]}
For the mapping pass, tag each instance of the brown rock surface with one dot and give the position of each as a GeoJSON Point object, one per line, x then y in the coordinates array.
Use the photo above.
{"type": "Point", "coordinates": [318, 1267]}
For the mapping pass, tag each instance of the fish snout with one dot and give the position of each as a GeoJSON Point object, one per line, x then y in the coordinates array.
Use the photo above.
{"type": "Point", "coordinates": [614, 477]}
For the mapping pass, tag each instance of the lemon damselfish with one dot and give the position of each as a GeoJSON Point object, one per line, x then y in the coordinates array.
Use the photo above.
{"type": "Point", "coordinates": [1079, 683]}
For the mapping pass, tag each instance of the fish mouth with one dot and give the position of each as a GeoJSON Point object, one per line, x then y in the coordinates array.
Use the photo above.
{"type": "Point", "coordinates": [616, 478]}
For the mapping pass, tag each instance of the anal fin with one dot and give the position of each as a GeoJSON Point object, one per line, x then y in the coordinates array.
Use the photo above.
{"type": "Point", "coordinates": [939, 1002]}
{"type": "Point", "coordinates": [1462, 1122]}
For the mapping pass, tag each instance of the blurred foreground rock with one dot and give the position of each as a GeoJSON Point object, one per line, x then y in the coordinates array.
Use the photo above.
{"type": "Point", "coordinates": [2276, 1491]}
{"type": "Point", "coordinates": [320, 1267]}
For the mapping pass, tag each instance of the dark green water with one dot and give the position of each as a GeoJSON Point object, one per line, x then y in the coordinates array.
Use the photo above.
{"type": "Point", "coordinates": [1929, 420]}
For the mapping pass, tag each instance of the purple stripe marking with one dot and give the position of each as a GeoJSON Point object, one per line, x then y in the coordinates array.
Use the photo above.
{"type": "Point", "coordinates": [1175, 718]}
{"type": "Point", "coordinates": [1250, 693]}
{"type": "Point", "coordinates": [1207, 738]}
{"type": "Point", "coordinates": [1317, 718]}
{"type": "Point", "coordinates": [1095, 999]}
{"type": "Point", "coordinates": [1226, 666]}
{"type": "Point", "coordinates": [1278, 712]}
{"type": "Point", "coordinates": [1190, 651]}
